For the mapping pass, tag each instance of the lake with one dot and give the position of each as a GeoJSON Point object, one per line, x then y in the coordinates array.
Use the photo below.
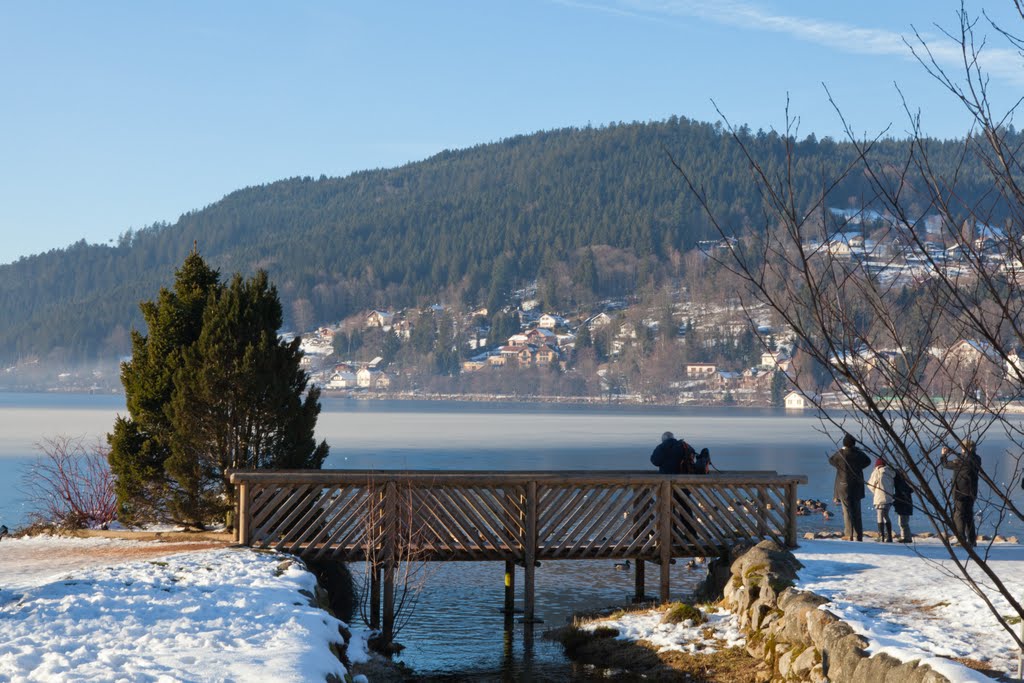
{"type": "Point", "coordinates": [457, 626]}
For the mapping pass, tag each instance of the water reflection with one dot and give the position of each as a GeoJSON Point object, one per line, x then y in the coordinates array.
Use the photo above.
{"type": "Point", "coordinates": [458, 631]}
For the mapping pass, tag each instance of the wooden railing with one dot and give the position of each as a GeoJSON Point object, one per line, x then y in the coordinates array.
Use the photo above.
{"type": "Point", "coordinates": [387, 517]}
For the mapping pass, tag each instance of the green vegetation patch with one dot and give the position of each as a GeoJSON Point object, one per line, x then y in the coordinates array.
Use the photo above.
{"type": "Point", "coordinates": [680, 611]}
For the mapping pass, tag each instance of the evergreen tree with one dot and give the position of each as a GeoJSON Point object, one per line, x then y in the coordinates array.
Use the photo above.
{"type": "Point", "coordinates": [240, 402]}
{"type": "Point", "coordinates": [779, 384]}
{"type": "Point", "coordinates": [140, 444]}
{"type": "Point", "coordinates": [585, 276]}
{"type": "Point", "coordinates": [503, 326]}
{"type": "Point", "coordinates": [583, 338]}
{"type": "Point", "coordinates": [211, 388]}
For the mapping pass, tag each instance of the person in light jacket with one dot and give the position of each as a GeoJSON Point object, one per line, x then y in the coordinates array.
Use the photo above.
{"type": "Point", "coordinates": [850, 463]}
{"type": "Point", "coordinates": [883, 485]}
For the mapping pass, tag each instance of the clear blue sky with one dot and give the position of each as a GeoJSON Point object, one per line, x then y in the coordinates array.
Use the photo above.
{"type": "Point", "coordinates": [118, 114]}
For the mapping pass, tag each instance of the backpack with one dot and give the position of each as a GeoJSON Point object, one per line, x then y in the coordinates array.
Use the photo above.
{"type": "Point", "coordinates": [702, 463]}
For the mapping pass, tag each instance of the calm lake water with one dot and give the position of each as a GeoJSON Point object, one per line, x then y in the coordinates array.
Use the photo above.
{"type": "Point", "coordinates": [457, 626]}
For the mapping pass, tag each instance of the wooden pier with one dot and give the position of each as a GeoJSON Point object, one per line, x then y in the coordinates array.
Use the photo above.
{"type": "Point", "coordinates": [385, 518]}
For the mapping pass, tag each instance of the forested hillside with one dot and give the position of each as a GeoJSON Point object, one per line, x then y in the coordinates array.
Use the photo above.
{"type": "Point", "coordinates": [463, 226]}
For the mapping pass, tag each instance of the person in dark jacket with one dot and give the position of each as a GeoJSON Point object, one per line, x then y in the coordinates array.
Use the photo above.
{"type": "Point", "coordinates": [668, 456]}
{"type": "Point", "coordinates": [675, 456]}
{"type": "Point", "coordinates": [964, 492]}
{"type": "Point", "coordinates": [850, 462]}
{"type": "Point", "coordinates": [838, 494]}
{"type": "Point", "coordinates": [903, 504]}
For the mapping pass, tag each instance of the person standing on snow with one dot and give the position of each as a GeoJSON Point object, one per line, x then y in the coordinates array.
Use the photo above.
{"type": "Point", "coordinates": [964, 492]}
{"type": "Point", "coordinates": [850, 463]}
{"type": "Point", "coordinates": [903, 504]}
{"type": "Point", "coordinates": [883, 484]}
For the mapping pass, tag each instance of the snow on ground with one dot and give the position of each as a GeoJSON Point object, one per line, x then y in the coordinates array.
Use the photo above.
{"type": "Point", "coordinates": [905, 599]}
{"type": "Point", "coordinates": [908, 603]}
{"type": "Point", "coordinates": [682, 637]}
{"type": "Point", "coordinates": [211, 615]}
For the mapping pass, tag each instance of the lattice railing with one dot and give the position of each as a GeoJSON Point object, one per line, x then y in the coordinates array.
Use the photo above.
{"type": "Point", "coordinates": [354, 515]}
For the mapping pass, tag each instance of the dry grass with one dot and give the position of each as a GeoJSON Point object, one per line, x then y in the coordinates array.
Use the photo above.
{"type": "Point", "coordinates": [381, 670]}
{"type": "Point", "coordinates": [983, 668]}
{"type": "Point", "coordinates": [641, 659]}
{"type": "Point", "coordinates": [731, 665]}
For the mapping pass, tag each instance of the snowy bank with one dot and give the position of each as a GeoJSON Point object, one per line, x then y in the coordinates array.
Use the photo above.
{"type": "Point", "coordinates": [908, 602]}
{"type": "Point", "coordinates": [214, 615]}
{"type": "Point", "coordinates": [899, 601]}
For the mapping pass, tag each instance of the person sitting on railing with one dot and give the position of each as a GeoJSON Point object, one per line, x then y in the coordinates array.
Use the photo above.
{"type": "Point", "coordinates": [672, 455]}
{"type": "Point", "coordinates": [675, 456]}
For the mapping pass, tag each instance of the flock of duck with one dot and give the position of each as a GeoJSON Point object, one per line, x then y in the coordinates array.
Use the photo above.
{"type": "Point", "coordinates": [691, 564]}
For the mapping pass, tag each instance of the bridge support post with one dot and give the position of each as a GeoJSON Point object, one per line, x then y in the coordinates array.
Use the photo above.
{"type": "Point", "coordinates": [791, 514]}
{"type": "Point", "coordinates": [530, 553]}
{"type": "Point", "coordinates": [390, 543]}
{"type": "Point", "coordinates": [639, 591]}
{"type": "Point", "coordinates": [510, 592]}
{"type": "Point", "coordinates": [762, 512]}
{"type": "Point", "coordinates": [243, 515]}
{"type": "Point", "coordinates": [374, 597]}
{"type": "Point", "coordinates": [665, 535]}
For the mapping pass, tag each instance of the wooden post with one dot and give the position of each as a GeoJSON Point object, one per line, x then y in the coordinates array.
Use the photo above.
{"type": "Point", "coordinates": [243, 514]}
{"type": "Point", "coordinates": [530, 552]}
{"type": "Point", "coordinates": [791, 514]}
{"type": "Point", "coordinates": [510, 592]}
{"type": "Point", "coordinates": [390, 543]}
{"type": "Point", "coordinates": [665, 535]}
{"type": "Point", "coordinates": [762, 512]}
{"type": "Point", "coordinates": [374, 597]}
{"type": "Point", "coordinates": [639, 592]}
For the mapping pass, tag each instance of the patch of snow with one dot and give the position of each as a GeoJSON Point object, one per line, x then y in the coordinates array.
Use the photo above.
{"type": "Point", "coordinates": [907, 601]}
{"type": "Point", "coordinates": [214, 615]}
{"type": "Point", "coordinates": [682, 637]}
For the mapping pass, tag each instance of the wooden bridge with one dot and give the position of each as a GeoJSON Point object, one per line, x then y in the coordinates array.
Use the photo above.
{"type": "Point", "coordinates": [385, 518]}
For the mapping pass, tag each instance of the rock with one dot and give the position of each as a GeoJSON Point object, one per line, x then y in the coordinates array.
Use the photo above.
{"type": "Point", "coordinates": [804, 663]}
{"type": "Point", "coordinates": [817, 622]}
{"type": "Point", "coordinates": [810, 536]}
{"type": "Point", "coordinates": [785, 664]}
{"type": "Point", "coordinates": [765, 555]}
{"type": "Point", "coordinates": [834, 632]}
{"type": "Point", "coordinates": [913, 672]}
{"type": "Point", "coordinates": [800, 599]}
{"type": "Point", "coordinates": [874, 669]}
{"type": "Point", "coordinates": [843, 656]}
{"type": "Point", "coordinates": [757, 648]}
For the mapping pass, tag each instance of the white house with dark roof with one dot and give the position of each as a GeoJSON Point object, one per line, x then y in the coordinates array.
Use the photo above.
{"type": "Point", "coordinates": [797, 400]}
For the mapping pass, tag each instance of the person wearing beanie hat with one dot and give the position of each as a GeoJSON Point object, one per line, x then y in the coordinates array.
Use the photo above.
{"type": "Point", "coordinates": [850, 463]}
{"type": "Point", "coordinates": [883, 484]}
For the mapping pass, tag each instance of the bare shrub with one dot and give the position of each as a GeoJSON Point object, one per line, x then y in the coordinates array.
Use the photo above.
{"type": "Point", "coordinates": [70, 485]}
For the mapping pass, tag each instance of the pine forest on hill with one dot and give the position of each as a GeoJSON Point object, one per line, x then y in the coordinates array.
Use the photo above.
{"type": "Point", "coordinates": [600, 208]}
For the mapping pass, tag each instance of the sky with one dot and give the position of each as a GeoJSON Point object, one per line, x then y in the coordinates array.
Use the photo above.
{"type": "Point", "coordinates": [118, 115]}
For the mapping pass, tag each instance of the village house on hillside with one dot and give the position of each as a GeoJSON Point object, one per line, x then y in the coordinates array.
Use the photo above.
{"type": "Point", "coordinates": [797, 400]}
{"type": "Point", "coordinates": [380, 319]}
{"type": "Point", "coordinates": [700, 370]}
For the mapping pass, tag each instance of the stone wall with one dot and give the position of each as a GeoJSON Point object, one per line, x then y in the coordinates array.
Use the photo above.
{"type": "Point", "coordinates": [800, 641]}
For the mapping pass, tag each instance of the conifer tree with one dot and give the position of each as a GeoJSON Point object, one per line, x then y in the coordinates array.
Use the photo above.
{"type": "Point", "coordinates": [210, 388]}
{"type": "Point", "coordinates": [141, 442]}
